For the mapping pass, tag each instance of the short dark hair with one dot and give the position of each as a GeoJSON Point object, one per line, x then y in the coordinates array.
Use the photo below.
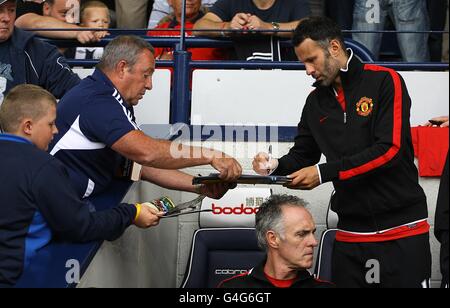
{"type": "Point", "coordinates": [319, 29]}
{"type": "Point", "coordinates": [269, 216]}
{"type": "Point", "coordinates": [24, 101]}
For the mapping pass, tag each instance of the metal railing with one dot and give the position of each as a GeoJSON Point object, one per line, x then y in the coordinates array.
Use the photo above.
{"type": "Point", "coordinates": [183, 65]}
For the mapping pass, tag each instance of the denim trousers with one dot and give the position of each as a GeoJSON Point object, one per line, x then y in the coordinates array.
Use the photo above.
{"type": "Point", "coordinates": [407, 15]}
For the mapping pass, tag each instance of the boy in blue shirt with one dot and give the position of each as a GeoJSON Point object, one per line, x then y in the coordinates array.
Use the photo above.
{"type": "Point", "coordinates": [37, 200]}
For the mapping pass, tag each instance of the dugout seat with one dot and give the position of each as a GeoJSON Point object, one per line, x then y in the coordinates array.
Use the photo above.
{"type": "Point", "coordinates": [221, 253]}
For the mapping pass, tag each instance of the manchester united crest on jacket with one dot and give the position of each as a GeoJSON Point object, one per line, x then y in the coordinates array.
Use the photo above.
{"type": "Point", "coordinates": [364, 107]}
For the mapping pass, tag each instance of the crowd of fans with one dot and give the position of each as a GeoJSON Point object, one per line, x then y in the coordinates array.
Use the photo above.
{"type": "Point", "coordinates": [269, 15]}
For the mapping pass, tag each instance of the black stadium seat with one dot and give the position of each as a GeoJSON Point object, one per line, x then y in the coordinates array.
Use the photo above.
{"type": "Point", "coordinates": [322, 270]}
{"type": "Point", "coordinates": [221, 253]}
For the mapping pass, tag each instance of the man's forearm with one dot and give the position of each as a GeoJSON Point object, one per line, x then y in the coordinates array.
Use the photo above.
{"type": "Point", "coordinates": [170, 179]}
{"type": "Point", "coordinates": [209, 24]}
{"type": "Point", "coordinates": [34, 21]}
{"type": "Point", "coordinates": [162, 154]}
{"type": "Point", "coordinates": [288, 26]}
{"type": "Point", "coordinates": [178, 156]}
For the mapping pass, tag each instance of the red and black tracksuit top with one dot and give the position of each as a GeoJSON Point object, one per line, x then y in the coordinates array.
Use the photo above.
{"type": "Point", "coordinates": [368, 149]}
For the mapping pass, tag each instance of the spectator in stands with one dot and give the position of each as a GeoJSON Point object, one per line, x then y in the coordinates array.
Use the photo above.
{"type": "Point", "coordinates": [38, 201]}
{"type": "Point", "coordinates": [317, 7]}
{"type": "Point", "coordinates": [26, 59]}
{"type": "Point", "coordinates": [407, 16]}
{"type": "Point", "coordinates": [94, 14]}
{"type": "Point", "coordinates": [358, 117]}
{"type": "Point", "coordinates": [341, 12]}
{"type": "Point", "coordinates": [193, 13]}
{"type": "Point", "coordinates": [53, 14]}
{"type": "Point", "coordinates": [249, 15]}
{"type": "Point", "coordinates": [132, 14]}
{"type": "Point", "coordinates": [97, 128]}
{"type": "Point", "coordinates": [441, 228]}
{"type": "Point", "coordinates": [437, 11]}
{"type": "Point", "coordinates": [445, 42]}
{"type": "Point", "coordinates": [162, 8]}
{"type": "Point", "coordinates": [285, 230]}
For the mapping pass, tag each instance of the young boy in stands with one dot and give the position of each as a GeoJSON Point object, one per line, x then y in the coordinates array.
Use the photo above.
{"type": "Point", "coordinates": [93, 15]}
{"type": "Point", "coordinates": [37, 200]}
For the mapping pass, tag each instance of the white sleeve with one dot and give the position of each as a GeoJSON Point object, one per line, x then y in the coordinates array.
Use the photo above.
{"type": "Point", "coordinates": [320, 175]}
{"type": "Point", "coordinates": [160, 10]}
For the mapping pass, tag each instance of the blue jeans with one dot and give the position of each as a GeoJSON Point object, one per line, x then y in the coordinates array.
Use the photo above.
{"type": "Point", "coordinates": [407, 15]}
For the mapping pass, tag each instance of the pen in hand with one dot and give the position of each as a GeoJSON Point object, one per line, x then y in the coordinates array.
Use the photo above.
{"type": "Point", "coordinates": [269, 159]}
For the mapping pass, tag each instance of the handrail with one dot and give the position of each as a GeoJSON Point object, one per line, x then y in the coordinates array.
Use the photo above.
{"type": "Point", "coordinates": [182, 65]}
{"type": "Point", "coordinates": [285, 65]}
{"type": "Point", "coordinates": [156, 41]}
{"type": "Point", "coordinates": [160, 41]}
{"type": "Point", "coordinates": [143, 31]}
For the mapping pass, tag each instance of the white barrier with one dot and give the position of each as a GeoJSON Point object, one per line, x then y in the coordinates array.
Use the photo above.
{"type": "Point", "coordinates": [276, 96]}
{"type": "Point", "coordinates": [154, 108]}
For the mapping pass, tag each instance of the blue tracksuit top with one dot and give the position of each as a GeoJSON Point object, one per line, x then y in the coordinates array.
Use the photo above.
{"type": "Point", "coordinates": [37, 202]}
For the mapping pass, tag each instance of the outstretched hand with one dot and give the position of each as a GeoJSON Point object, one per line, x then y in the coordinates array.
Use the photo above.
{"type": "Point", "coordinates": [229, 168]}
{"type": "Point", "coordinates": [148, 216]}
{"type": "Point", "coordinates": [304, 179]}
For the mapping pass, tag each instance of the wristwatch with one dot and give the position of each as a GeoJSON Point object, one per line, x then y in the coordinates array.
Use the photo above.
{"type": "Point", "coordinates": [275, 26]}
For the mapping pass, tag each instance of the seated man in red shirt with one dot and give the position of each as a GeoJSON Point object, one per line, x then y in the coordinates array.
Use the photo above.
{"type": "Point", "coordinates": [173, 21]}
{"type": "Point", "coordinates": [285, 230]}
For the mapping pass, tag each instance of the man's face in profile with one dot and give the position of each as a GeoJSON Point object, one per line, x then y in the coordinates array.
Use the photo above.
{"type": "Point", "coordinates": [43, 129]}
{"type": "Point", "coordinates": [139, 78]}
{"type": "Point", "coordinates": [7, 19]}
{"type": "Point", "coordinates": [64, 10]}
{"type": "Point", "coordinates": [318, 62]}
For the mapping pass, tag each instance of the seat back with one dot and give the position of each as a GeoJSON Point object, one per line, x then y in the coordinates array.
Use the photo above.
{"type": "Point", "coordinates": [332, 217]}
{"type": "Point", "coordinates": [361, 51]}
{"type": "Point", "coordinates": [221, 253]}
{"type": "Point", "coordinates": [323, 267]}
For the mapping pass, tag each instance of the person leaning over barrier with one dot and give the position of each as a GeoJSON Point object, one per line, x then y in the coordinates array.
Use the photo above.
{"type": "Point", "coordinates": [358, 117]}
{"type": "Point", "coordinates": [55, 14]}
{"type": "Point", "coordinates": [249, 15]}
{"type": "Point", "coordinates": [26, 59]}
{"type": "Point", "coordinates": [37, 200]}
{"type": "Point", "coordinates": [285, 230]}
{"type": "Point", "coordinates": [97, 128]}
{"type": "Point", "coordinates": [93, 14]}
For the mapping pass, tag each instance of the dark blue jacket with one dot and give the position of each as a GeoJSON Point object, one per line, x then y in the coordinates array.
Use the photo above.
{"type": "Point", "coordinates": [26, 59]}
{"type": "Point", "coordinates": [37, 202]}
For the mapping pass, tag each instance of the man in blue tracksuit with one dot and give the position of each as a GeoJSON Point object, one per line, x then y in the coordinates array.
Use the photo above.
{"type": "Point", "coordinates": [26, 59]}
{"type": "Point", "coordinates": [37, 200]}
{"type": "Point", "coordinates": [98, 129]}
